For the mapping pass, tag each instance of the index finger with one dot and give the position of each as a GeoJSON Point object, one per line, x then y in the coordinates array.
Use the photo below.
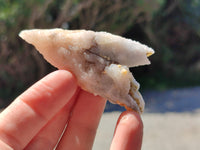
{"type": "Point", "coordinates": [128, 133]}
{"type": "Point", "coordinates": [23, 119]}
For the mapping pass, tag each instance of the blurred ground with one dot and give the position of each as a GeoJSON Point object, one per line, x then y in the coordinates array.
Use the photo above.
{"type": "Point", "coordinates": [171, 121]}
{"type": "Point", "coordinates": [168, 131]}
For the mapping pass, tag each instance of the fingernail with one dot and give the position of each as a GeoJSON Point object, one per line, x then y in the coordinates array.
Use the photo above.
{"type": "Point", "coordinates": [130, 118]}
{"type": "Point", "coordinates": [126, 118]}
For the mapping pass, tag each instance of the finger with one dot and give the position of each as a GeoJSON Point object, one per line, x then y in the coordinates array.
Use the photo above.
{"type": "Point", "coordinates": [128, 133]}
{"type": "Point", "coordinates": [22, 120]}
{"type": "Point", "coordinates": [81, 130]}
{"type": "Point", "coordinates": [4, 146]}
{"type": "Point", "coordinates": [49, 135]}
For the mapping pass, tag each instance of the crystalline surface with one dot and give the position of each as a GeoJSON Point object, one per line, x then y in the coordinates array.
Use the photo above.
{"type": "Point", "coordinates": [99, 60]}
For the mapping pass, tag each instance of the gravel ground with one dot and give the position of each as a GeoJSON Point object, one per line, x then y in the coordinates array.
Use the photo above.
{"type": "Point", "coordinates": [171, 121]}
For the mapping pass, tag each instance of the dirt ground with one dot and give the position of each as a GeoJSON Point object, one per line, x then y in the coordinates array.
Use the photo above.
{"type": "Point", "coordinates": [162, 131]}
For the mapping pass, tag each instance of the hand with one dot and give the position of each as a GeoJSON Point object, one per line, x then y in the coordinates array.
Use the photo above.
{"type": "Point", "coordinates": [37, 118]}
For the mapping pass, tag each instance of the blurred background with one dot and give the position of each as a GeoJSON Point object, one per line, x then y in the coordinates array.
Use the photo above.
{"type": "Point", "coordinates": [170, 85]}
{"type": "Point", "coordinates": [171, 27]}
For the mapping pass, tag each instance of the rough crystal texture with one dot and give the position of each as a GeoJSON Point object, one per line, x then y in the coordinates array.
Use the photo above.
{"type": "Point", "coordinates": [99, 60]}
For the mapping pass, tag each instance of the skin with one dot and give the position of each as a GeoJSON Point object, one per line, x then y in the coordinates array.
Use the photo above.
{"type": "Point", "coordinates": [37, 118]}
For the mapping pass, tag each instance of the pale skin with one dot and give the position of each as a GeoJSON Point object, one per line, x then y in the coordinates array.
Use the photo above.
{"type": "Point", "coordinates": [36, 119]}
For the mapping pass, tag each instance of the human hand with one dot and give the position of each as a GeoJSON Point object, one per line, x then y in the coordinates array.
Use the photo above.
{"type": "Point", "coordinates": [37, 118]}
